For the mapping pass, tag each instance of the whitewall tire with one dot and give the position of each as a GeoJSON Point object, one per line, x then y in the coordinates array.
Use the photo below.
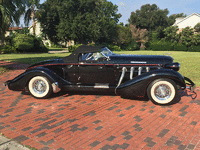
{"type": "Point", "coordinates": [162, 91]}
{"type": "Point", "coordinates": [40, 87]}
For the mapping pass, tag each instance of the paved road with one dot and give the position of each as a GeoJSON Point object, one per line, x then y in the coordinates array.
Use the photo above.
{"type": "Point", "coordinates": [7, 144]}
{"type": "Point", "coordinates": [98, 122]}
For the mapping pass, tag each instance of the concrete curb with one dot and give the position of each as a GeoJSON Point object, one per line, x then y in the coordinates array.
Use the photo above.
{"type": "Point", "coordinates": [7, 144]}
{"type": "Point", "coordinates": [54, 52]}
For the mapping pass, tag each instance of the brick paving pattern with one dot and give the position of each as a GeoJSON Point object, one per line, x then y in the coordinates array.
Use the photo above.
{"type": "Point", "coordinates": [98, 121]}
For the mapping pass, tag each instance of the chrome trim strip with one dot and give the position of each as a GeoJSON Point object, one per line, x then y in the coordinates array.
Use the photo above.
{"type": "Point", "coordinates": [102, 85]}
{"type": "Point", "coordinates": [122, 76]}
{"type": "Point", "coordinates": [147, 69]}
{"type": "Point", "coordinates": [138, 62]}
{"type": "Point", "coordinates": [139, 71]}
{"type": "Point", "coordinates": [131, 73]}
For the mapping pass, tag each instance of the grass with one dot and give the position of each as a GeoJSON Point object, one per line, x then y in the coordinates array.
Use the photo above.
{"type": "Point", "coordinates": [190, 61]}
{"type": "Point", "coordinates": [30, 58]}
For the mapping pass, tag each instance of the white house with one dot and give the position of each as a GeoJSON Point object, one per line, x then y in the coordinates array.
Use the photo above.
{"type": "Point", "coordinates": [189, 21]}
{"type": "Point", "coordinates": [12, 29]}
{"type": "Point", "coordinates": [38, 32]}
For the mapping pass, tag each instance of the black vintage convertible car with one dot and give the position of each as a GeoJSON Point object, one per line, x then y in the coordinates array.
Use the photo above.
{"type": "Point", "coordinates": [99, 69]}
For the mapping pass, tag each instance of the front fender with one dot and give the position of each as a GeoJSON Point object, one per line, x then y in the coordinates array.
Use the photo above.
{"type": "Point", "coordinates": [21, 81]}
{"type": "Point", "coordinates": [137, 86]}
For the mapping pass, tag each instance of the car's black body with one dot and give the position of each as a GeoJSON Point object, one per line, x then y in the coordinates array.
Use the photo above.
{"type": "Point", "coordinates": [96, 68]}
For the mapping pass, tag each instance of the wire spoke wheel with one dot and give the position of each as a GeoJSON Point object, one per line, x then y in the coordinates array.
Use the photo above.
{"type": "Point", "coordinates": [162, 91]}
{"type": "Point", "coordinates": [40, 87]}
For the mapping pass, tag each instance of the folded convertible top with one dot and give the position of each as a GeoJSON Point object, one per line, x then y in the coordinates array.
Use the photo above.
{"type": "Point", "coordinates": [73, 58]}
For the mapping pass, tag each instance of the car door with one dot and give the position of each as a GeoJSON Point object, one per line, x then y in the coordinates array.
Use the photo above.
{"type": "Point", "coordinates": [92, 69]}
{"type": "Point", "coordinates": [71, 73]}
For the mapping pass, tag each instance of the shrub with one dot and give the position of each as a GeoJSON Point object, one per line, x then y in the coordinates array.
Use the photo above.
{"type": "Point", "coordinates": [197, 27]}
{"type": "Point", "coordinates": [56, 45]}
{"type": "Point", "coordinates": [7, 49]}
{"type": "Point", "coordinates": [47, 44]}
{"type": "Point", "coordinates": [72, 48]}
{"type": "Point", "coordinates": [161, 46]}
{"type": "Point", "coordinates": [154, 37]}
{"type": "Point", "coordinates": [180, 47]}
{"type": "Point", "coordinates": [132, 46]}
{"type": "Point", "coordinates": [28, 43]}
{"type": "Point", "coordinates": [114, 47]}
{"type": "Point", "coordinates": [194, 48]}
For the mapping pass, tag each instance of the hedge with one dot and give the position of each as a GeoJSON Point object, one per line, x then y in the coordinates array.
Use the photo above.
{"type": "Point", "coordinates": [194, 48]}
{"type": "Point", "coordinates": [180, 47]}
{"type": "Point", "coordinates": [28, 43]}
{"type": "Point", "coordinates": [168, 46]}
{"type": "Point", "coordinates": [161, 46]}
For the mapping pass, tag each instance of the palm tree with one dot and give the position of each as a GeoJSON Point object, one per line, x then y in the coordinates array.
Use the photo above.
{"type": "Point", "coordinates": [10, 12]}
{"type": "Point", "coordinates": [31, 13]}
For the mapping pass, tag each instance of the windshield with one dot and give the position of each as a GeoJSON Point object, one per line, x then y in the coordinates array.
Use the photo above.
{"type": "Point", "coordinates": [106, 52]}
{"type": "Point", "coordinates": [103, 54]}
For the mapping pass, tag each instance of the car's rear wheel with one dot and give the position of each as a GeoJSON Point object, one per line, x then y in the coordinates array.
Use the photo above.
{"type": "Point", "coordinates": [40, 87]}
{"type": "Point", "coordinates": [162, 91]}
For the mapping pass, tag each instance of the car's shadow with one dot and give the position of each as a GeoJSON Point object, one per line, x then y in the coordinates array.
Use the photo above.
{"type": "Point", "coordinates": [181, 93]}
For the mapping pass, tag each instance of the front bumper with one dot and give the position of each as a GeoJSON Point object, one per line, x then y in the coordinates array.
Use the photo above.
{"type": "Point", "coordinates": [6, 83]}
{"type": "Point", "coordinates": [190, 85]}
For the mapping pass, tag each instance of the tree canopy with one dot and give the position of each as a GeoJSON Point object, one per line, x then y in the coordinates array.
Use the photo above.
{"type": "Point", "coordinates": [172, 18]}
{"type": "Point", "coordinates": [149, 17]}
{"type": "Point", "coordinates": [10, 12]}
{"type": "Point", "coordinates": [152, 18]}
{"type": "Point", "coordinates": [31, 12]}
{"type": "Point", "coordinates": [123, 35]}
{"type": "Point", "coordinates": [79, 20]}
{"type": "Point", "coordinates": [197, 27]}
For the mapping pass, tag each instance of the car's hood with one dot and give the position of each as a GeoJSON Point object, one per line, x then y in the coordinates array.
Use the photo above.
{"type": "Point", "coordinates": [140, 59]}
{"type": "Point", "coordinates": [46, 62]}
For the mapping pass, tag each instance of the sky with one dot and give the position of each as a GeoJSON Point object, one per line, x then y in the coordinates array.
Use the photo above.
{"type": "Point", "coordinates": [125, 7]}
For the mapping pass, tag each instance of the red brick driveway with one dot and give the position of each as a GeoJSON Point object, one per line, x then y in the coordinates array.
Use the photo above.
{"type": "Point", "coordinates": [98, 122]}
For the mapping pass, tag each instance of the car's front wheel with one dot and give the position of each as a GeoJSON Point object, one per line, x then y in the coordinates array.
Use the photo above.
{"type": "Point", "coordinates": [40, 87]}
{"type": "Point", "coordinates": [162, 91]}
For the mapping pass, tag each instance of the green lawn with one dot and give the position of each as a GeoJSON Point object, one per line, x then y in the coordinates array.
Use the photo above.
{"type": "Point", "coordinates": [30, 58]}
{"type": "Point", "coordinates": [190, 61]}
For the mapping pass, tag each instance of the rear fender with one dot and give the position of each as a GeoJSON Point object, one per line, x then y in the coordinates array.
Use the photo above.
{"type": "Point", "coordinates": [20, 82]}
{"type": "Point", "coordinates": [137, 86]}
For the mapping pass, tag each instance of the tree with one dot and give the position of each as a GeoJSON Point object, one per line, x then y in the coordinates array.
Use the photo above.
{"type": "Point", "coordinates": [171, 34]}
{"type": "Point", "coordinates": [197, 27]}
{"type": "Point", "coordinates": [139, 35]}
{"type": "Point", "coordinates": [10, 12]}
{"type": "Point", "coordinates": [31, 12]}
{"type": "Point", "coordinates": [152, 18]}
{"type": "Point", "coordinates": [79, 20]}
{"type": "Point", "coordinates": [172, 18]}
{"type": "Point", "coordinates": [123, 35]}
{"type": "Point", "coordinates": [149, 17]}
{"type": "Point", "coordinates": [186, 36]}
{"type": "Point", "coordinates": [49, 19]}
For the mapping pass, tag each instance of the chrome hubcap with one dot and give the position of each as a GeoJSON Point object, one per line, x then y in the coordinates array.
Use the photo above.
{"type": "Point", "coordinates": [162, 92]}
{"type": "Point", "coordinates": [39, 86]}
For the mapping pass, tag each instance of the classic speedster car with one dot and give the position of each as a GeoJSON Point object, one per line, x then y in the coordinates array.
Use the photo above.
{"type": "Point", "coordinates": [99, 69]}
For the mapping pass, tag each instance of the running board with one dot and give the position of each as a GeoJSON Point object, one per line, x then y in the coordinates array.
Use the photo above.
{"type": "Point", "coordinates": [92, 88]}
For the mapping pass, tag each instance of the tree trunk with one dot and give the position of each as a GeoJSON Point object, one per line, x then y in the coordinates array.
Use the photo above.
{"type": "Point", "coordinates": [33, 26]}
